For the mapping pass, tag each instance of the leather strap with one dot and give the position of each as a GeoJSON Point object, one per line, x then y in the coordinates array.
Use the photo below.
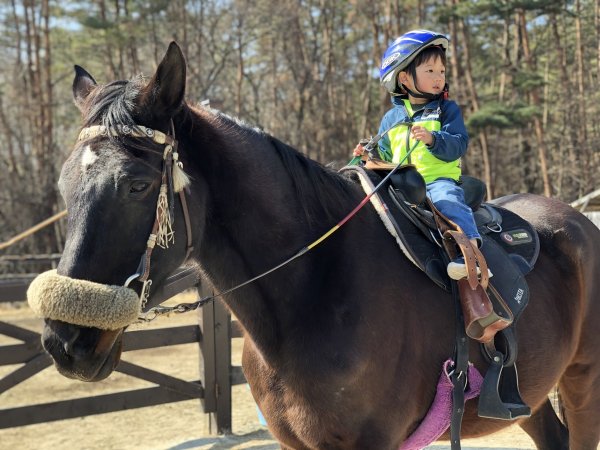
{"type": "Point", "coordinates": [473, 258]}
{"type": "Point", "coordinates": [188, 225]}
{"type": "Point", "coordinates": [459, 374]}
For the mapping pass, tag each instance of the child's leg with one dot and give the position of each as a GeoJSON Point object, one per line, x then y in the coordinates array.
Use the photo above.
{"type": "Point", "coordinates": [449, 198]}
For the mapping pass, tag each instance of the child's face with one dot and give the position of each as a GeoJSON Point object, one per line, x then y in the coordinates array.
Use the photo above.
{"type": "Point", "coordinates": [431, 77]}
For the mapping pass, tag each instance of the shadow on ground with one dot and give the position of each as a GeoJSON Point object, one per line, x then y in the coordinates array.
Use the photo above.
{"type": "Point", "coordinates": [257, 440]}
{"type": "Point", "coordinates": [262, 440]}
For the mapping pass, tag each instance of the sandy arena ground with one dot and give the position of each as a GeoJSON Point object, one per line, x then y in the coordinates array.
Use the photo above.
{"type": "Point", "coordinates": [175, 426]}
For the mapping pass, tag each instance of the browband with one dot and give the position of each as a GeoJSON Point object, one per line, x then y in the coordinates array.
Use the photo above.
{"type": "Point", "coordinates": [139, 131]}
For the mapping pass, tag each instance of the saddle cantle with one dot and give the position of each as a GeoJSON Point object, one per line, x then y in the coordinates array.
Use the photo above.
{"type": "Point", "coordinates": [510, 247]}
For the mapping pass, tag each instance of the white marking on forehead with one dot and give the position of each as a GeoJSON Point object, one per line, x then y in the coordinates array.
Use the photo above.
{"type": "Point", "coordinates": [88, 157]}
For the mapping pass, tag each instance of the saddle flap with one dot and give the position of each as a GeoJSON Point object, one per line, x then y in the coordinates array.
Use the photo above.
{"type": "Point", "coordinates": [508, 285]}
{"type": "Point", "coordinates": [512, 233]}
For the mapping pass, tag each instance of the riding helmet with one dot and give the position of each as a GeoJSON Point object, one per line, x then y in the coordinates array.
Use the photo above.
{"type": "Point", "coordinates": [403, 51]}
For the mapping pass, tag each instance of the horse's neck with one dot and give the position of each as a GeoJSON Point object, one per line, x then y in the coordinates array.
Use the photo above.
{"type": "Point", "coordinates": [254, 222]}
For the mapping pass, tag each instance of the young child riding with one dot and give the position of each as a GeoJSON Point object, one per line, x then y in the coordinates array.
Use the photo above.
{"type": "Point", "coordinates": [413, 70]}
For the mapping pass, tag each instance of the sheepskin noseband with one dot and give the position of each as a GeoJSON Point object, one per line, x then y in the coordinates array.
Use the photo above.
{"type": "Point", "coordinates": [83, 302]}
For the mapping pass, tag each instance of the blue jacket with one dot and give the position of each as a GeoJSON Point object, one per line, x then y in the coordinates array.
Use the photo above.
{"type": "Point", "coordinates": [450, 142]}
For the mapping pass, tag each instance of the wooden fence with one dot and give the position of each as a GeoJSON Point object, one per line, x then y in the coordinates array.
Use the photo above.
{"type": "Point", "coordinates": [213, 335]}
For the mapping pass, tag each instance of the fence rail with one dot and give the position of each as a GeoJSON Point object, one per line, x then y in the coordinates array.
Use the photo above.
{"type": "Point", "coordinates": [213, 335]}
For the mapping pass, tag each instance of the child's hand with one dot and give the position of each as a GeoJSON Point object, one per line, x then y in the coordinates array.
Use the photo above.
{"type": "Point", "coordinates": [359, 150]}
{"type": "Point", "coordinates": [422, 134]}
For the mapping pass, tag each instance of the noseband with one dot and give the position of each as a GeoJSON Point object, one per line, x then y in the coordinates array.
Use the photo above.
{"type": "Point", "coordinates": [173, 180]}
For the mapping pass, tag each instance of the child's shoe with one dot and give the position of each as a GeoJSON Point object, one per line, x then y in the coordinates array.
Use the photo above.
{"type": "Point", "coordinates": [457, 269]}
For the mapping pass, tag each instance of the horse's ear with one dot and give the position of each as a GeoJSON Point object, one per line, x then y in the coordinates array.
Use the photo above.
{"type": "Point", "coordinates": [82, 85]}
{"type": "Point", "coordinates": [165, 92]}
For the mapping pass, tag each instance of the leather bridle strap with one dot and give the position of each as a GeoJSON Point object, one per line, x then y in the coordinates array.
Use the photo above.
{"type": "Point", "coordinates": [162, 232]}
{"type": "Point", "coordinates": [188, 224]}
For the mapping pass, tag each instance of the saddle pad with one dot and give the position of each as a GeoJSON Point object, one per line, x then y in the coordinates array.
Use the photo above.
{"type": "Point", "coordinates": [418, 248]}
{"type": "Point", "coordinates": [438, 418]}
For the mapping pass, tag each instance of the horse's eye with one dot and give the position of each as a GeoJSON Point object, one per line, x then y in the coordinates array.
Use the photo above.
{"type": "Point", "coordinates": [138, 187]}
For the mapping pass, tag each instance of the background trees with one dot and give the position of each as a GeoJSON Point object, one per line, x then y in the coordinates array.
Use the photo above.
{"type": "Point", "coordinates": [524, 71]}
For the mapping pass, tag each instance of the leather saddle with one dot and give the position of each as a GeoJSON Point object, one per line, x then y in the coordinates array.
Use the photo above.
{"type": "Point", "coordinates": [510, 247]}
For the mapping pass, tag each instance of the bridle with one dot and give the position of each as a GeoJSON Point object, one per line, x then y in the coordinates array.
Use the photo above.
{"type": "Point", "coordinates": [173, 179]}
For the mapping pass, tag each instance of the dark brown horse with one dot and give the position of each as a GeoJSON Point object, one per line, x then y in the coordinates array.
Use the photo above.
{"type": "Point", "coordinates": [344, 345]}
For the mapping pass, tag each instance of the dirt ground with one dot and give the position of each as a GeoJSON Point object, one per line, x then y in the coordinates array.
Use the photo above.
{"type": "Point", "coordinates": [175, 426]}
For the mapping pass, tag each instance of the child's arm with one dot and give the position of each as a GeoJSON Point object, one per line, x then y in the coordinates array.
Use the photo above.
{"type": "Point", "coordinates": [450, 143]}
{"type": "Point", "coordinates": [384, 145]}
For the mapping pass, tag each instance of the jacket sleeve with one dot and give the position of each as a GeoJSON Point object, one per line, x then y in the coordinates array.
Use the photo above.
{"type": "Point", "coordinates": [385, 148]}
{"type": "Point", "coordinates": [452, 140]}
{"type": "Point", "coordinates": [384, 145]}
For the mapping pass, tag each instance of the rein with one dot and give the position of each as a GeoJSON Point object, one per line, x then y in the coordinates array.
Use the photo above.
{"type": "Point", "coordinates": [156, 311]}
{"type": "Point", "coordinates": [173, 179]}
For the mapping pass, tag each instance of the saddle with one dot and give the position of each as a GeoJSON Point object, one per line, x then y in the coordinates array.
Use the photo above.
{"type": "Point", "coordinates": [490, 307]}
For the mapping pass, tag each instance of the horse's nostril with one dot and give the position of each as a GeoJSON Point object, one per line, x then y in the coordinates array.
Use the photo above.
{"type": "Point", "coordinates": [69, 344]}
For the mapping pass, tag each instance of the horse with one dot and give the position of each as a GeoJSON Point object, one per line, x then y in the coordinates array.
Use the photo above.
{"type": "Point", "coordinates": [344, 345]}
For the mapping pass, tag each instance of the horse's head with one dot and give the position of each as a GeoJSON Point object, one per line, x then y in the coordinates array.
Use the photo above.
{"type": "Point", "coordinates": [120, 189]}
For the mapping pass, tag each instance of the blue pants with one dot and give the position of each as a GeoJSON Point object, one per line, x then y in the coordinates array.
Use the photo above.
{"type": "Point", "coordinates": [449, 198]}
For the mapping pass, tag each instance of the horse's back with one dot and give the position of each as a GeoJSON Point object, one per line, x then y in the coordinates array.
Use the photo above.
{"type": "Point", "coordinates": [565, 234]}
{"type": "Point", "coordinates": [570, 245]}
{"type": "Point", "coordinates": [564, 309]}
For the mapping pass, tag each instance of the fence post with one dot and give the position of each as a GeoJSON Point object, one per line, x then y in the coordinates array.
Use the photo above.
{"type": "Point", "coordinates": [216, 360]}
{"type": "Point", "coordinates": [223, 366]}
{"type": "Point", "coordinates": [206, 319]}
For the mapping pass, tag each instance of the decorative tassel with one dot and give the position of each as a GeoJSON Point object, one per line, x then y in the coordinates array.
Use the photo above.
{"type": "Point", "coordinates": [165, 233]}
{"type": "Point", "coordinates": [180, 178]}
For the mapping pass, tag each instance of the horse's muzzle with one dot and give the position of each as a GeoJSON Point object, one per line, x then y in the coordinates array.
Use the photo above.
{"type": "Point", "coordinates": [86, 354]}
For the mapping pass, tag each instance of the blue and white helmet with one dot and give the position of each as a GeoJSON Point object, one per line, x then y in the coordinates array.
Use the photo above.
{"type": "Point", "coordinates": [403, 51]}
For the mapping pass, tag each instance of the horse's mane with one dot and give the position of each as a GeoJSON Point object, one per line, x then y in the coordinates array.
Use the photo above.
{"type": "Point", "coordinates": [320, 189]}
{"type": "Point", "coordinates": [112, 104]}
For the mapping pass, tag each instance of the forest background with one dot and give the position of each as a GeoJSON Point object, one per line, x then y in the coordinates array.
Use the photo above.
{"type": "Point", "coordinates": [525, 73]}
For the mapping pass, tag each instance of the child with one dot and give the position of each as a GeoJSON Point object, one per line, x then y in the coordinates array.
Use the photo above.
{"type": "Point", "coordinates": [413, 71]}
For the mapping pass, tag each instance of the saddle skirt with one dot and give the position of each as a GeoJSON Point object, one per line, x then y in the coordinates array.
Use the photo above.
{"type": "Point", "coordinates": [510, 244]}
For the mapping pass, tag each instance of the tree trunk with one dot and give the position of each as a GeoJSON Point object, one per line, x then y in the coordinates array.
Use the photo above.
{"type": "Point", "coordinates": [240, 65]}
{"type": "Point", "coordinates": [483, 138]}
{"type": "Point", "coordinates": [565, 105]}
{"type": "Point", "coordinates": [111, 70]}
{"type": "Point", "coordinates": [582, 139]}
{"type": "Point", "coordinates": [597, 26]}
{"type": "Point", "coordinates": [534, 100]}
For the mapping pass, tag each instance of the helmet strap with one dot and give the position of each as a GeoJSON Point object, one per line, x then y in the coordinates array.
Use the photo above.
{"type": "Point", "coordinates": [419, 94]}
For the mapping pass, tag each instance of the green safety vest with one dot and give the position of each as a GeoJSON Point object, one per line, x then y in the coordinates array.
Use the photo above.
{"type": "Point", "coordinates": [430, 167]}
